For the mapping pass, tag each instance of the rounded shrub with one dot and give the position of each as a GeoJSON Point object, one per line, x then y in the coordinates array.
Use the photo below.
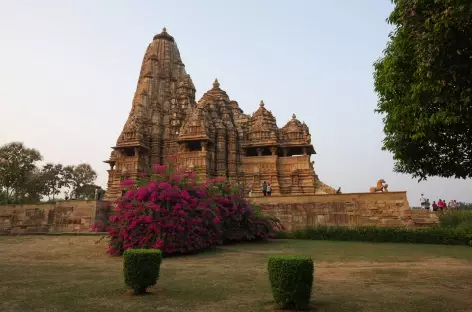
{"type": "Point", "coordinates": [291, 280]}
{"type": "Point", "coordinates": [141, 268]}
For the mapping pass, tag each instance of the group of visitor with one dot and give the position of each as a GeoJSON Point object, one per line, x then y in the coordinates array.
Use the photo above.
{"type": "Point", "coordinates": [441, 205]}
{"type": "Point", "coordinates": [265, 187]}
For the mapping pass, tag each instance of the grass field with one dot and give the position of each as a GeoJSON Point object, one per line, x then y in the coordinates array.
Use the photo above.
{"type": "Point", "coordinates": [73, 273]}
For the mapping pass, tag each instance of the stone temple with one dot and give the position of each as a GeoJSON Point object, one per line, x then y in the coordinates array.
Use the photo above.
{"type": "Point", "coordinates": [212, 137]}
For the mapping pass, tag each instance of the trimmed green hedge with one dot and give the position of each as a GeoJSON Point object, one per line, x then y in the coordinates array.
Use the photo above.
{"type": "Point", "coordinates": [141, 268]}
{"type": "Point", "coordinates": [282, 234]}
{"type": "Point", "coordinates": [291, 279]}
{"type": "Point", "coordinates": [441, 236]}
{"type": "Point", "coordinates": [461, 219]}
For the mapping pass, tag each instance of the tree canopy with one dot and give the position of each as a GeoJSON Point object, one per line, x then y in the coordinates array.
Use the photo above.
{"type": "Point", "coordinates": [17, 164]}
{"type": "Point", "coordinates": [80, 178]}
{"type": "Point", "coordinates": [424, 87]}
{"type": "Point", "coordinates": [23, 180]}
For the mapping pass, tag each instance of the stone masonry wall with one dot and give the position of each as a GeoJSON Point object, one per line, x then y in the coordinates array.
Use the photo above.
{"type": "Point", "coordinates": [375, 209]}
{"type": "Point", "coordinates": [295, 212]}
{"type": "Point", "coordinates": [63, 216]}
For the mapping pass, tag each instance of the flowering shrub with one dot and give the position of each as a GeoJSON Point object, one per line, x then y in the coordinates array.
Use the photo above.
{"type": "Point", "coordinates": [172, 211]}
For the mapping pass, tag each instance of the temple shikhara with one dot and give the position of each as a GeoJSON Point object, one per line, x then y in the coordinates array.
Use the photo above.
{"type": "Point", "coordinates": [212, 137]}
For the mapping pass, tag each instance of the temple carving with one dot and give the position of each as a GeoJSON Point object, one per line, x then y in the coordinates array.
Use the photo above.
{"type": "Point", "coordinates": [212, 137]}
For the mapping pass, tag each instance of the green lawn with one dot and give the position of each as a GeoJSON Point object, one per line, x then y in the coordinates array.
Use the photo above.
{"type": "Point", "coordinates": [73, 273]}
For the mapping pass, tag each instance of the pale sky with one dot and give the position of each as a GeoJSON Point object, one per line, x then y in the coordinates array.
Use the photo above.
{"type": "Point", "coordinates": [68, 71]}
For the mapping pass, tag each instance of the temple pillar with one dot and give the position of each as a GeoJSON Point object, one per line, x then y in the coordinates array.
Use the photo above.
{"type": "Point", "coordinates": [221, 151]}
{"type": "Point", "coordinates": [285, 151]}
{"type": "Point", "coordinates": [273, 150]}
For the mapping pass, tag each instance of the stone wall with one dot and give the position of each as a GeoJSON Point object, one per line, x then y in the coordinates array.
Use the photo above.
{"type": "Point", "coordinates": [375, 209]}
{"type": "Point", "coordinates": [63, 216]}
{"type": "Point", "coordinates": [295, 212]}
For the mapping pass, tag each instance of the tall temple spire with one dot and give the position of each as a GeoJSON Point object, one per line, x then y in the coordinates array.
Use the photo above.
{"type": "Point", "coordinates": [164, 89]}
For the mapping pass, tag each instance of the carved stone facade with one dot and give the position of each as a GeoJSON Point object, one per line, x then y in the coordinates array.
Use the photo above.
{"type": "Point", "coordinates": [352, 209]}
{"type": "Point", "coordinates": [212, 136]}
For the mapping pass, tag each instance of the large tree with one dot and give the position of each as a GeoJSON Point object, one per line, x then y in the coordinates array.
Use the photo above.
{"type": "Point", "coordinates": [33, 188]}
{"type": "Point", "coordinates": [53, 179]}
{"type": "Point", "coordinates": [81, 180]}
{"type": "Point", "coordinates": [424, 86]}
{"type": "Point", "coordinates": [17, 169]}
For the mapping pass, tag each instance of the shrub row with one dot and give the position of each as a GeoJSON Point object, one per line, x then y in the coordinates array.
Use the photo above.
{"type": "Point", "coordinates": [461, 220]}
{"type": "Point", "coordinates": [441, 236]}
{"type": "Point", "coordinates": [282, 234]}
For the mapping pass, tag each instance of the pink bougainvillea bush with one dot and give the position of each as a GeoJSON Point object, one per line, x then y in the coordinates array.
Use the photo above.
{"type": "Point", "coordinates": [173, 211]}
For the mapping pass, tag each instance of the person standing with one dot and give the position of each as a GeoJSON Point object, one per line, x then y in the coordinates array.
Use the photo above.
{"type": "Point", "coordinates": [264, 188]}
{"type": "Point", "coordinates": [269, 189]}
{"type": "Point", "coordinates": [456, 205]}
{"type": "Point", "coordinates": [441, 205]}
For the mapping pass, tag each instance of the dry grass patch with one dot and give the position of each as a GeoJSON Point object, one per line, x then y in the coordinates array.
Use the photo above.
{"type": "Point", "coordinates": [73, 273]}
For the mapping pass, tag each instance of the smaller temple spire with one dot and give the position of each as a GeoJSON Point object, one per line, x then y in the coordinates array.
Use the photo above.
{"type": "Point", "coordinates": [261, 104]}
{"type": "Point", "coordinates": [216, 84]}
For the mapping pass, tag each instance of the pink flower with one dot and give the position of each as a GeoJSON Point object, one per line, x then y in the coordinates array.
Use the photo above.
{"type": "Point", "coordinates": [183, 213]}
{"type": "Point", "coordinates": [130, 194]}
{"type": "Point", "coordinates": [159, 169]}
{"type": "Point", "coordinates": [114, 218]}
{"type": "Point", "coordinates": [142, 193]}
{"type": "Point", "coordinates": [164, 186]}
{"type": "Point", "coordinates": [152, 187]}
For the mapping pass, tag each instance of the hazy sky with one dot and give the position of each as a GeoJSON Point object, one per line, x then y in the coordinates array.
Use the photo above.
{"type": "Point", "coordinates": [68, 71]}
